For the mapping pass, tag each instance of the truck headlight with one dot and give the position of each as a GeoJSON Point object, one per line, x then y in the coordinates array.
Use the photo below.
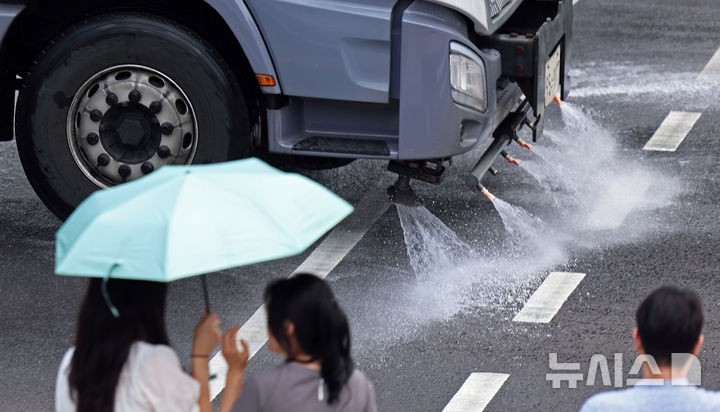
{"type": "Point", "coordinates": [467, 78]}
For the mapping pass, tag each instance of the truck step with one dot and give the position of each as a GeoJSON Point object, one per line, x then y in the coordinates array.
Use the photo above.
{"type": "Point", "coordinates": [340, 145]}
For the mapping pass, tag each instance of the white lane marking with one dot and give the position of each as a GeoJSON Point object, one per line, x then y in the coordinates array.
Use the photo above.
{"type": "Point", "coordinates": [575, 2]}
{"type": "Point", "coordinates": [711, 72]}
{"type": "Point", "coordinates": [331, 251]}
{"type": "Point", "coordinates": [550, 296]}
{"type": "Point", "coordinates": [476, 393]}
{"type": "Point", "coordinates": [672, 131]}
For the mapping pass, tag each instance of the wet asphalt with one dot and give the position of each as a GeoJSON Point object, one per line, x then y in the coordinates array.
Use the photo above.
{"type": "Point", "coordinates": [419, 337]}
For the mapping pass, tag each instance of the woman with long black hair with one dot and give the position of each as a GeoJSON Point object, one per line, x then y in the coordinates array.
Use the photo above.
{"type": "Point", "coordinates": [307, 327]}
{"type": "Point", "coordinates": [124, 363]}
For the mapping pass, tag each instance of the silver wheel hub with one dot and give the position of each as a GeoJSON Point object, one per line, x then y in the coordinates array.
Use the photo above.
{"type": "Point", "coordinates": [128, 121]}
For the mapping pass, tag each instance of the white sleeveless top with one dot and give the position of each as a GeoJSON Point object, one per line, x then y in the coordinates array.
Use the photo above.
{"type": "Point", "coordinates": [151, 380]}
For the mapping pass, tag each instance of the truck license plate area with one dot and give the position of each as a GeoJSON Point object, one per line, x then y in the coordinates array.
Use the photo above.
{"type": "Point", "coordinates": [552, 76]}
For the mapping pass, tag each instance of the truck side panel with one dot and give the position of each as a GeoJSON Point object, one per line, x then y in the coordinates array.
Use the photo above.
{"type": "Point", "coordinates": [323, 49]}
{"type": "Point", "coordinates": [241, 22]}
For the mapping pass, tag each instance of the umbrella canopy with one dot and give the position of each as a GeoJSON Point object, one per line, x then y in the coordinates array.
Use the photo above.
{"type": "Point", "coordinates": [182, 221]}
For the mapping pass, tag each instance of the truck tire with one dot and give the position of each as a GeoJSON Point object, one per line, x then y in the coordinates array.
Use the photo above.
{"type": "Point", "coordinates": [118, 96]}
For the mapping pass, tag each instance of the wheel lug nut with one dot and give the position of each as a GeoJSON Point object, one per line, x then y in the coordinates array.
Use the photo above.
{"type": "Point", "coordinates": [163, 152]}
{"type": "Point", "coordinates": [147, 168]}
{"type": "Point", "coordinates": [135, 96]}
{"type": "Point", "coordinates": [166, 128]}
{"type": "Point", "coordinates": [103, 160]}
{"type": "Point", "coordinates": [93, 139]}
{"type": "Point", "coordinates": [112, 99]}
{"type": "Point", "coordinates": [96, 115]}
{"type": "Point", "coordinates": [156, 107]}
{"type": "Point", "coordinates": [124, 171]}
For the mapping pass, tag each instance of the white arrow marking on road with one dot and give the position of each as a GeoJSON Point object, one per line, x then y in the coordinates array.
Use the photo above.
{"type": "Point", "coordinates": [321, 262]}
{"type": "Point", "coordinates": [545, 303]}
{"type": "Point", "coordinates": [672, 131]}
{"type": "Point", "coordinates": [477, 392]}
{"type": "Point", "coordinates": [711, 72]}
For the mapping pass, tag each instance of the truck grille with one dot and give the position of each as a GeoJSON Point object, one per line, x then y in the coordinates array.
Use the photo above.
{"type": "Point", "coordinates": [496, 6]}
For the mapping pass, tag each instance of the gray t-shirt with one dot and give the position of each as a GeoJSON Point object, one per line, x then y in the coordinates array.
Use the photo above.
{"type": "Point", "coordinates": [294, 387]}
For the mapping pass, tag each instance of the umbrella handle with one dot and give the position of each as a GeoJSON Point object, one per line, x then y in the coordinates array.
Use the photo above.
{"type": "Point", "coordinates": [206, 297]}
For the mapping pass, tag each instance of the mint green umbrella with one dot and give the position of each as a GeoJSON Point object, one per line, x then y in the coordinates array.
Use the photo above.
{"type": "Point", "coordinates": [182, 221]}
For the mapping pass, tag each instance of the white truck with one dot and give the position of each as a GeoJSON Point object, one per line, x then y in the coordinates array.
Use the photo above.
{"type": "Point", "coordinates": [111, 90]}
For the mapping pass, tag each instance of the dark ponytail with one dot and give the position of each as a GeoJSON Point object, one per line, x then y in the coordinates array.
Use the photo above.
{"type": "Point", "coordinates": [321, 327]}
{"type": "Point", "coordinates": [103, 342]}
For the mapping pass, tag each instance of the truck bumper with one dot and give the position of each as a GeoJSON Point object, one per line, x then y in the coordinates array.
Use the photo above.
{"type": "Point", "coordinates": [431, 124]}
{"type": "Point", "coordinates": [424, 119]}
{"type": "Point", "coordinates": [530, 50]}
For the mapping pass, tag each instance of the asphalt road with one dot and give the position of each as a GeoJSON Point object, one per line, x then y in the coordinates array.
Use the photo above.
{"type": "Point", "coordinates": [631, 220]}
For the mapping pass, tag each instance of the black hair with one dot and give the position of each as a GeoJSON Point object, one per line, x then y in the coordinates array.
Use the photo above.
{"type": "Point", "coordinates": [669, 321]}
{"type": "Point", "coordinates": [321, 327]}
{"type": "Point", "coordinates": [103, 341]}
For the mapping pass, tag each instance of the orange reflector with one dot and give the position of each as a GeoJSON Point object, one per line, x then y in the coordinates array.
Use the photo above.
{"type": "Point", "coordinates": [265, 80]}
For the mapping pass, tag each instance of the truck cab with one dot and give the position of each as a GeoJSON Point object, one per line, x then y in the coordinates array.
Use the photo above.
{"type": "Point", "coordinates": [110, 91]}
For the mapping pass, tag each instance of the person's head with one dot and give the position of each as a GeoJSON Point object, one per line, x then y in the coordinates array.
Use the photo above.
{"type": "Point", "coordinates": [669, 321]}
{"type": "Point", "coordinates": [305, 323]}
{"type": "Point", "coordinates": [102, 343]}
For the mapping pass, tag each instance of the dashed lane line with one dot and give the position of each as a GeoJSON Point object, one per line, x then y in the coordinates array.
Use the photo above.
{"type": "Point", "coordinates": [477, 392]}
{"type": "Point", "coordinates": [672, 131]}
{"type": "Point", "coordinates": [711, 72]}
{"type": "Point", "coordinates": [331, 251]}
{"type": "Point", "coordinates": [544, 304]}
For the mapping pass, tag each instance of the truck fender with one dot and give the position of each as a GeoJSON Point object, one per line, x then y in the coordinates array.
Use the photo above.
{"type": "Point", "coordinates": [241, 22]}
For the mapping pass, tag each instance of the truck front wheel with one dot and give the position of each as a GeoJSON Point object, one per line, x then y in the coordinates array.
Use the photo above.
{"type": "Point", "coordinates": [119, 96]}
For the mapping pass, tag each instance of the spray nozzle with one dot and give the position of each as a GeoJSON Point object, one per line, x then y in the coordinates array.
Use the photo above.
{"type": "Point", "coordinates": [557, 100]}
{"type": "Point", "coordinates": [510, 159]}
{"type": "Point", "coordinates": [523, 143]}
{"type": "Point", "coordinates": [401, 192]}
{"type": "Point", "coordinates": [487, 193]}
